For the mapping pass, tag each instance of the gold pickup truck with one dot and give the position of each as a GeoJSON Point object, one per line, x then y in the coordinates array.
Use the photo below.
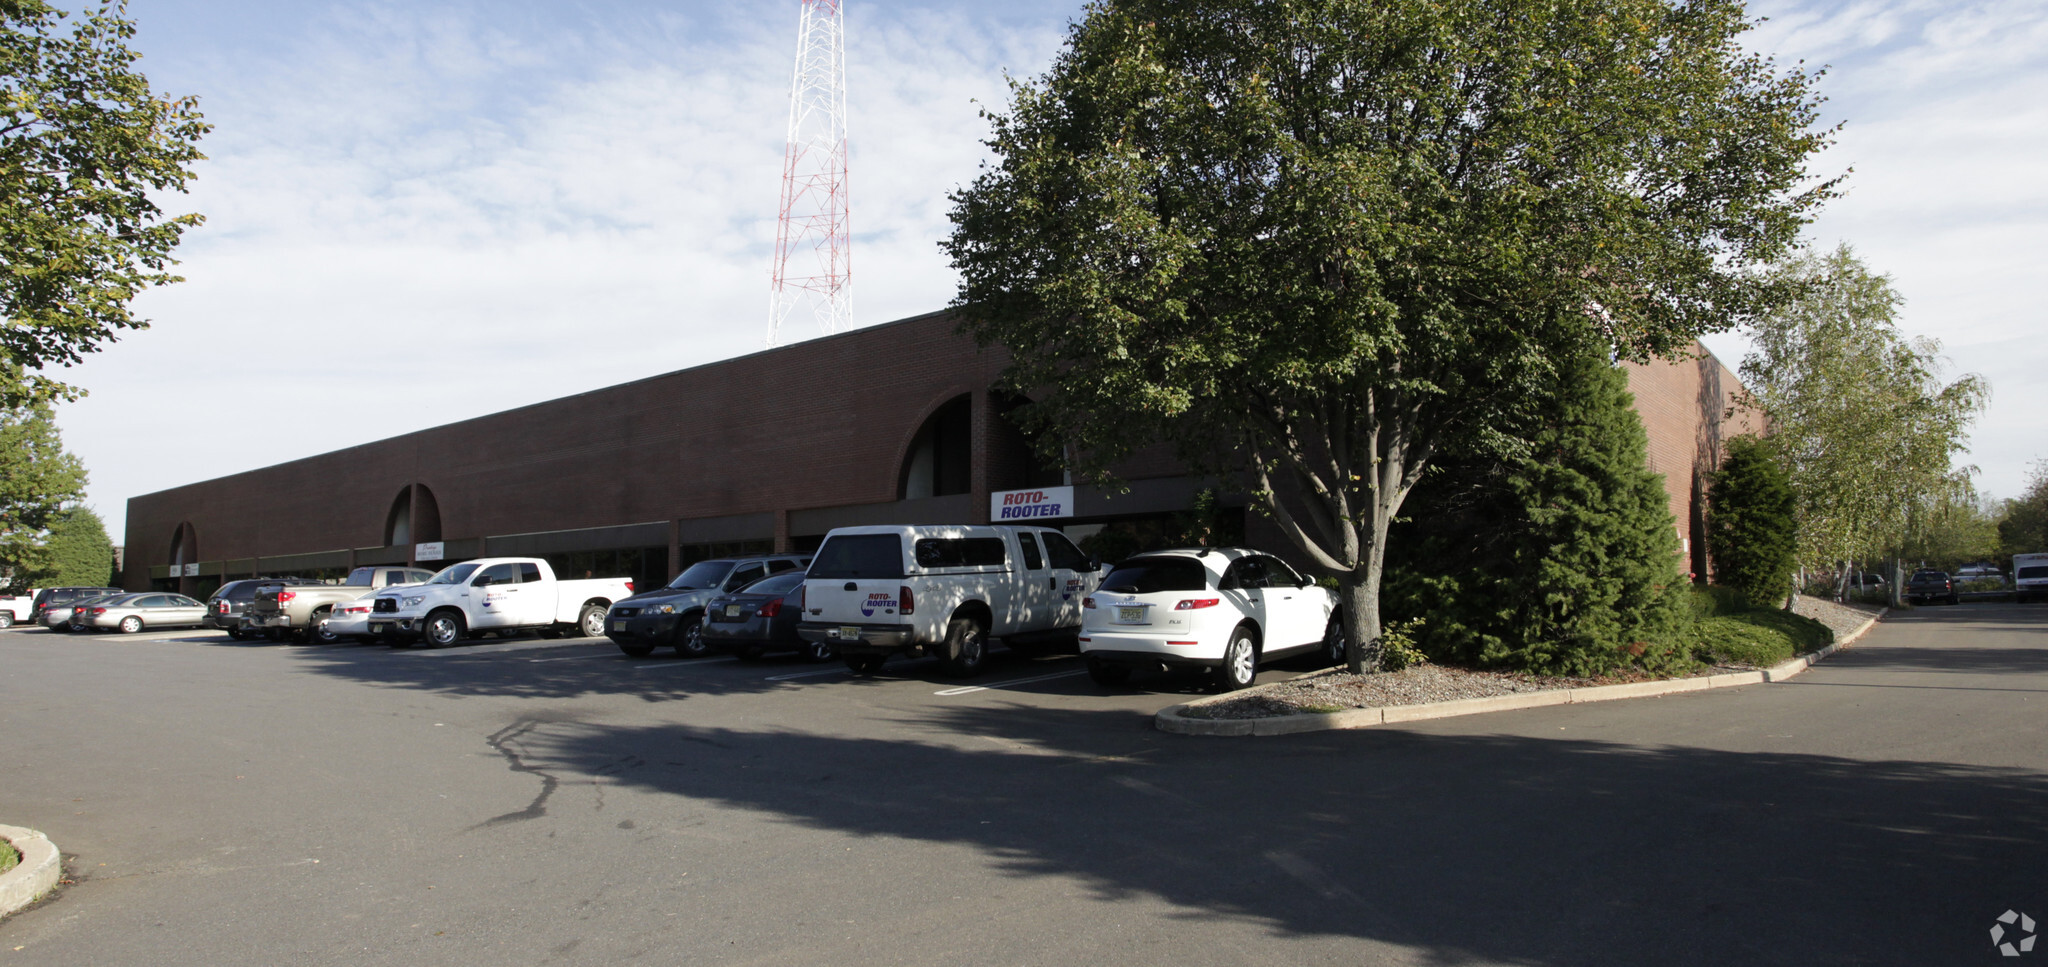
{"type": "Point", "coordinates": [295, 611]}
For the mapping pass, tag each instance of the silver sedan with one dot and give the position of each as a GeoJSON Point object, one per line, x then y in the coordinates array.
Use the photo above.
{"type": "Point", "coordinates": [151, 609]}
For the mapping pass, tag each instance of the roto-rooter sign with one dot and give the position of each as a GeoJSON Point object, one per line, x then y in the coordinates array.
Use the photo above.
{"type": "Point", "coordinates": [1040, 504]}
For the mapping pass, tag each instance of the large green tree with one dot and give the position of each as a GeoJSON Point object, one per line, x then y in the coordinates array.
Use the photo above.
{"type": "Point", "coordinates": [81, 553]}
{"type": "Point", "coordinates": [1316, 242]}
{"type": "Point", "coordinates": [1560, 560]}
{"type": "Point", "coordinates": [86, 151]}
{"type": "Point", "coordinates": [37, 478]}
{"type": "Point", "coordinates": [2023, 527]}
{"type": "Point", "coordinates": [1859, 413]}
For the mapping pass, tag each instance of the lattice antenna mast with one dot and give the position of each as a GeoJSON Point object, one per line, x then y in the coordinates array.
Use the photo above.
{"type": "Point", "coordinates": [813, 264]}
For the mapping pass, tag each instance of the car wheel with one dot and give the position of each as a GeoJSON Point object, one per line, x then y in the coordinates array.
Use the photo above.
{"type": "Point", "coordinates": [635, 649]}
{"type": "Point", "coordinates": [966, 647]}
{"type": "Point", "coordinates": [6, 619]}
{"type": "Point", "coordinates": [1955, 599]}
{"type": "Point", "coordinates": [444, 628]}
{"type": "Point", "coordinates": [318, 631]}
{"type": "Point", "coordinates": [591, 622]}
{"type": "Point", "coordinates": [689, 638]}
{"type": "Point", "coordinates": [1240, 661]}
{"type": "Point", "coordinates": [1108, 673]}
{"type": "Point", "coordinates": [865, 664]}
{"type": "Point", "coordinates": [817, 651]}
{"type": "Point", "coordinates": [131, 625]}
{"type": "Point", "coordinates": [1333, 641]}
{"type": "Point", "coordinates": [238, 634]}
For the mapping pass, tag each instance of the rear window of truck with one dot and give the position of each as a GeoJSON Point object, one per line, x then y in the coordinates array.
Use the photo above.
{"type": "Point", "coordinates": [859, 556]}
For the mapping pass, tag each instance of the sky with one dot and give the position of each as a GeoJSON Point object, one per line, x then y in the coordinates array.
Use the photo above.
{"type": "Point", "coordinates": [422, 212]}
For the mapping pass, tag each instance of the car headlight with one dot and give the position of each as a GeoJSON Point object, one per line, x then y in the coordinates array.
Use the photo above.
{"type": "Point", "coordinates": [664, 609]}
{"type": "Point", "coordinates": [414, 602]}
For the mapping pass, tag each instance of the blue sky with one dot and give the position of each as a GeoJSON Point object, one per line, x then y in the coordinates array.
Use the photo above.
{"type": "Point", "coordinates": [422, 212]}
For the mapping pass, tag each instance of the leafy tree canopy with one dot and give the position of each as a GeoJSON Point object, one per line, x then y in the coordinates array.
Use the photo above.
{"type": "Point", "coordinates": [37, 478]}
{"type": "Point", "coordinates": [85, 147]}
{"type": "Point", "coordinates": [81, 553]}
{"type": "Point", "coordinates": [1753, 523]}
{"type": "Point", "coordinates": [2023, 528]}
{"type": "Point", "coordinates": [1318, 241]}
{"type": "Point", "coordinates": [1859, 414]}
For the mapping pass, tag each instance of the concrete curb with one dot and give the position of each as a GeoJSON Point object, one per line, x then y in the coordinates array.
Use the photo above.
{"type": "Point", "coordinates": [36, 874]}
{"type": "Point", "coordinates": [1174, 719]}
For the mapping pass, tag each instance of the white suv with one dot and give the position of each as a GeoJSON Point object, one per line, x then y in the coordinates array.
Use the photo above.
{"type": "Point", "coordinates": [1222, 608]}
{"type": "Point", "coordinates": [944, 590]}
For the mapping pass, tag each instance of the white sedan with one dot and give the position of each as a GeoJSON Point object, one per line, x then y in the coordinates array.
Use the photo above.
{"type": "Point", "coordinates": [1222, 608]}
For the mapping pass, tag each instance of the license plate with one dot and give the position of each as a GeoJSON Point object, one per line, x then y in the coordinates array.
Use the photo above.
{"type": "Point", "coordinates": [732, 611]}
{"type": "Point", "coordinates": [618, 626]}
{"type": "Point", "coordinates": [1130, 616]}
{"type": "Point", "coordinates": [849, 631]}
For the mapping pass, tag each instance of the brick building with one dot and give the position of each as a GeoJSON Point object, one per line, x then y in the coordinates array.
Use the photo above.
{"type": "Point", "coordinates": [889, 424]}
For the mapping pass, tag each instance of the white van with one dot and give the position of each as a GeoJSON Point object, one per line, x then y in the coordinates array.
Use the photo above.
{"type": "Point", "coordinates": [943, 590]}
{"type": "Point", "coordinates": [2029, 576]}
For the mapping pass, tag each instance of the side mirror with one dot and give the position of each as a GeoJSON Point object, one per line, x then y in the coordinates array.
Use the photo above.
{"type": "Point", "coordinates": [1094, 562]}
{"type": "Point", "coordinates": [1307, 581]}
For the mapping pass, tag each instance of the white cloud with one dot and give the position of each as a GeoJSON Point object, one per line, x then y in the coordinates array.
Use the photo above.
{"type": "Point", "coordinates": [419, 217]}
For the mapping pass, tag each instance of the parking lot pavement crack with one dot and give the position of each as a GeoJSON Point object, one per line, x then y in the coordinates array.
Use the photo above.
{"type": "Point", "coordinates": [505, 741]}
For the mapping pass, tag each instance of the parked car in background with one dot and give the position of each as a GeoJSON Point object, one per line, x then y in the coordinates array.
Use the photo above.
{"type": "Point", "coordinates": [762, 618]}
{"type": "Point", "coordinates": [1926, 585]}
{"type": "Point", "coordinates": [130, 613]}
{"type": "Point", "coordinates": [348, 619]}
{"type": "Point", "coordinates": [1225, 609]}
{"type": "Point", "coordinates": [2029, 576]}
{"type": "Point", "coordinates": [64, 598]}
{"type": "Point", "coordinates": [224, 608]}
{"type": "Point", "coordinates": [17, 608]}
{"type": "Point", "coordinates": [59, 616]}
{"type": "Point", "coordinates": [496, 594]}
{"type": "Point", "coordinates": [942, 590]}
{"type": "Point", "coordinates": [281, 612]}
{"type": "Point", "coordinates": [674, 613]}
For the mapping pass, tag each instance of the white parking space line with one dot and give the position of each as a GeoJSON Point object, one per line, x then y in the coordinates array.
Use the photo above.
{"type": "Point", "coordinates": [1015, 681]}
{"type": "Point", "coordinates": [809, 674]}
{"type": "Point", "coordinates": [577, 658]}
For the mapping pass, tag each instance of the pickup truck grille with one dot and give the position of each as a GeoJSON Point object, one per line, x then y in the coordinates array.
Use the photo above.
{"type": "Point", "coordinates": [385, 605]}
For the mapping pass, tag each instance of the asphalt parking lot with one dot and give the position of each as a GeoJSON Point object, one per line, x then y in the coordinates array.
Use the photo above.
{"type": "Point", "coordinates": [534, 801]}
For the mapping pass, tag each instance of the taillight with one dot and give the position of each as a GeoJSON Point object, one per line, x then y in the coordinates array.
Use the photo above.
{"type": "Point", "coordinates": [771, 609]}
{"type": "Point", "coordinates": [221, 606]}
{"type": "Point", "coordinates": [905, 604]}
{"type": "Point", "coordinates": [1193, 603]}
{"type": "Point", "coordinates": [99, 611]}
{"type": "Point", "coordinates": [285, 597]}
{"type": "Point", "coordinates": [629, 587]}
{"type": "Point", "coordinates": [1088, 602]}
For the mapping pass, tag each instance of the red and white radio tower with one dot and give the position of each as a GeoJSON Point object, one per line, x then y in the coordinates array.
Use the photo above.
{"type": "Point", "coordinates": [812, 256]}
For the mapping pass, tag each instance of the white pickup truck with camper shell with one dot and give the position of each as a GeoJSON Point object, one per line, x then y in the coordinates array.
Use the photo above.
{"type": "Point", "coordinates": [17, 608]}
{"type": "Point", "coordinates": [495, 594]}
{"type": "Point", "coordinates": [2029, 577]}
{"type": "Point", "coordinates": [943, 590]}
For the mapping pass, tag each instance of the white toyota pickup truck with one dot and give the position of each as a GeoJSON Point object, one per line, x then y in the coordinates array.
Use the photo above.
{"type": "Point", "coordinates": [501, 594]}
{"type": "Point", "coordinates": [943, 590]}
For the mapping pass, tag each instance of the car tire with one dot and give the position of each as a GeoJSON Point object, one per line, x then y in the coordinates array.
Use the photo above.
{"type": "Point", "coordinates": [444, 628]}
{"type": "Point", "coordinates": [1333, 642]}
{"type": "Point", "coordinates": [237, 634]}
{"type": "Point", "coordinates": [131, 625]}
{"type": "Point", "coordinates": [6, 619]}
{"type": "Point", "coordinates": [590, 623]}
{"type": "Point", "coordinates": [689, 637]}
{"type": "Point", "coordinates": [817, 651]}
{"type": "Point", "coordinates": [865, 664]}
{"type": "Point", "coordinates": [1955, 599]}
{"type": "Point", "coordinates": [1108, 674]}
{"type": "Point", "coordinates": [1240, 661]}
{"type": "Point", "coordinates": [635, 650]}
{"type": "Point", "coordinates": [966, 647]}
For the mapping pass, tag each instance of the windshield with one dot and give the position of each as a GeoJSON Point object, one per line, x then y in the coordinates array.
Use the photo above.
{"type": "Point", "coordinates": [703, 574]}
{"type": "Point", "coordinates": [453, 575]}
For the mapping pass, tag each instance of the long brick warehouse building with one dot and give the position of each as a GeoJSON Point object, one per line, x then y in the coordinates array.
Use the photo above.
{"type": "Point", "coordinates": [763, 452]}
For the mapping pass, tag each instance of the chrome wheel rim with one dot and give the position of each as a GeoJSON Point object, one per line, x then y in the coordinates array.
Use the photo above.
{"type": "Point", "coordinates": [1241, 660]}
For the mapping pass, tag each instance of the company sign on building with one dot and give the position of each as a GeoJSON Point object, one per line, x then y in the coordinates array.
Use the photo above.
{"type": "Point", "coordinates": [1043, 503]}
